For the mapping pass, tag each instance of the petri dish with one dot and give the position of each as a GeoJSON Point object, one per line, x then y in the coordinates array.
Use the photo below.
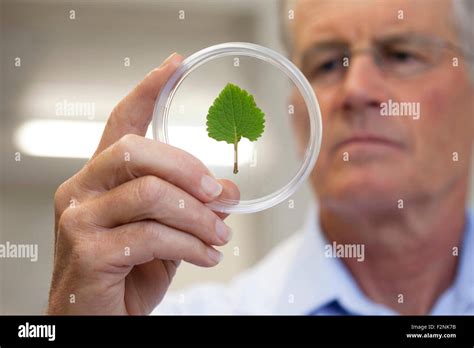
{"type": "Point", "coordinates": [274, 166]}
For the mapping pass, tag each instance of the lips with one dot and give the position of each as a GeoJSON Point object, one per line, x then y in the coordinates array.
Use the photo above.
{"type": "Point", "coordinates": [368, 140]}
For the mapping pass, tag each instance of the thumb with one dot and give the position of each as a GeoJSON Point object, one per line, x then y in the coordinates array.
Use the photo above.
{"type": "Point", "coordinates": [133, 114]}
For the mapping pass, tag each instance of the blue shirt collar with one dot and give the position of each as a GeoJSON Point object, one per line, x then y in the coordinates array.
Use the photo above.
{"type": "Point", "coordinates": [316, 283]}
{"type": "Point", "coordinates": [460, 295]}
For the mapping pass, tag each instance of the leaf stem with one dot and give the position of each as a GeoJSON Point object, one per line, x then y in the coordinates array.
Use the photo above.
{"type": "Point", "coordinates": [236, 165]}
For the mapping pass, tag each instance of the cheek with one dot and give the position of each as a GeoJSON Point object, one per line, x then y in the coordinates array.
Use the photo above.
{"type": "Point", "coordinates": [327, 103]}
{"type": "Point", "coordinates": [442, 137]}
{"type": "Point", "coordinates": [326, 164]}
{"type": "Point", "coordinates": [300, 121]}
{"type": "Point", "coordinates": [445, 125]}
{"type": "Point", "coordinates": [430, 132]}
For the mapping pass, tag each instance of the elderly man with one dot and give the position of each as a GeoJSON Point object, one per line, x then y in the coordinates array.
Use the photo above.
{"type": "Point", "coordinates": [391, 181]}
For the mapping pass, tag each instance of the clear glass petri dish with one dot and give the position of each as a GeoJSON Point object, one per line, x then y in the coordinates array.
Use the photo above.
{"type": "Point", "coordinates": [274, 166]}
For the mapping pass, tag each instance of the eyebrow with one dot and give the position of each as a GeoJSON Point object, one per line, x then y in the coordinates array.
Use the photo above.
{"type": "Point", "coordinates": [408, 36]}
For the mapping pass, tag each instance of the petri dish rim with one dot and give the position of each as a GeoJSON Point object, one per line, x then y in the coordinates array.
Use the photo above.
{"type": "Point", "coordinates": [189, 64]}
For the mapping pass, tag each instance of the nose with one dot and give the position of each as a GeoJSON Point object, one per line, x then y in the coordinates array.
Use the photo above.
{"type": "Point", "coordinates": [364, 85]}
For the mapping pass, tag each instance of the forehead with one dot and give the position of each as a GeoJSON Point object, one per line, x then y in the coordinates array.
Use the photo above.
{"type": "Point", "coordinates": [352, 20]}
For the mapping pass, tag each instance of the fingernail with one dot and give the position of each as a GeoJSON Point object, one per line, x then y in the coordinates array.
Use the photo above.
{"type": "Point", "coordinates": [169, 59]}
{"type": "Point", "coordinates": [210, 186]}
{"type": "Point", "coordinates": [223, 231]}
{"type": "Point", "coordinates": [215, 255]}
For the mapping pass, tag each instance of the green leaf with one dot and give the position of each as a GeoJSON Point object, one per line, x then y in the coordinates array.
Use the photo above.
{"type": "Point", "coordinates": [233, 115]}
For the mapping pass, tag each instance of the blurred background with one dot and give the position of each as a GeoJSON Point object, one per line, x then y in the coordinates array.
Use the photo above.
{"type": "Point", "coordinates": [92, 53]}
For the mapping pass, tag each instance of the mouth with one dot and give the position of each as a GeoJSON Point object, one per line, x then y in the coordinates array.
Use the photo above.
{"type": "Point", "coordinates": [367, 141]}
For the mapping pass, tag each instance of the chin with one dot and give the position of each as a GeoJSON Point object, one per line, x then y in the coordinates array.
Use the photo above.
{"type": "Point", "coordinates": [360, 190]}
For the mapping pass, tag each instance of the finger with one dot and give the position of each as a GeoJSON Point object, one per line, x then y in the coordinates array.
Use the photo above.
{"type": "Point", "coordinates": [134, 156]}
{"type": "Point", "coordinates": [147, 281]}
{"type": "Point", "coordinates": [149, 197]}
{"type": "Point", "coordinates": [149, 240]}
{"type": "Point", "coordinates": [230, 192]}
{"type": "Point", "coordinates": [133, 114]}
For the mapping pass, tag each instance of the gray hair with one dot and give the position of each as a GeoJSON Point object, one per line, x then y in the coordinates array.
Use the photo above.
{"type": "Point", "coordinates": [463, 16]}
{"type": "Point", "coordinates": [463, 11]}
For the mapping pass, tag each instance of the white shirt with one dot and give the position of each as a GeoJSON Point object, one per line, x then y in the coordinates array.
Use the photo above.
{"type": "Point", "coordinates": [298, 277]}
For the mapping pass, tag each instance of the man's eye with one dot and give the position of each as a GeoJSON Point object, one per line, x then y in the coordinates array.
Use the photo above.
{"type": "Point", "coordinates": [327, 66]}
{"type": "Point", "coordinates": [400, 56]}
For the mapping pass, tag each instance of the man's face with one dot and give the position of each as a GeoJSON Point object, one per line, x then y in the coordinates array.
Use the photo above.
{"type": "Point", "coordinates": [367, 160]}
